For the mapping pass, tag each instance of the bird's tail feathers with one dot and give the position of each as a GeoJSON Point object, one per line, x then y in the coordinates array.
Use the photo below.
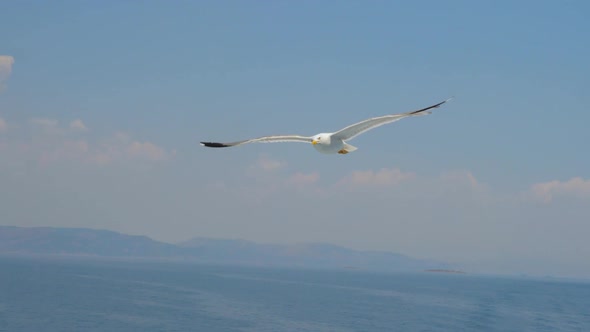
{"type": "Point", "coordinates": [349, 148]}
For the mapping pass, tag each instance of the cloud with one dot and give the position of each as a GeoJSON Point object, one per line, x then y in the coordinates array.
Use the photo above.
{"type": "Point", "coordinates": [146, 150]}
{"type": "Point", "coordinates": [383, 177]}
{"type": "Point", "coordinates": [46, 126]}
{"type": "Point", "coordinates": [78, 125]}
{"type": "Point", "coordinates": [101, 153]}
{"type": "Point", "coordinates": [44, 122]}
{"type": "Point", "coordinates": [121, 147]}
{"type": "Point", "coordinates": [303, 179]}
{"type": "Point", "coordinates": [6, 62]}
{"type": "Point", "coordinates": [3, 125]}
{"type": "Point", "coordinates": [459, 184]}
{"type": "Point", "coordinates": [456, 181]}
{"type": "Point", "coordinates": [68, 150]}
{"type": "Point", "coordinates": [52, 127]}
{"type": "Point", "coordinates": [264, 178]}
{"type": "Point", "coordinates": [576, 187]}
{"type": "Point", "coordinates": [266, 168]}
{"type": "Point", "coordinates": [267, 164]}
{"type": "Point", "coordinates": [49, 143]}
{"type": "Point", "coordinates": [464, 177]}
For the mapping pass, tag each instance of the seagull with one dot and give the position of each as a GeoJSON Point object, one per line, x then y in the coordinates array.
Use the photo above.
{"type": "Point", "coordinates": [332, 143]}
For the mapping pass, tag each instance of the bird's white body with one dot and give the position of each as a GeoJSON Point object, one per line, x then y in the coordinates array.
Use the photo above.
{"type": "Point", "coordinates": [331, 143]}
{"type": "Point", "coordinates": [325, 143]}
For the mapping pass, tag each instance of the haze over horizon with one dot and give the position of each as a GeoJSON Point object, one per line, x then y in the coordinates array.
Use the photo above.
{"type": "Point", "coordinates": [102, 106]}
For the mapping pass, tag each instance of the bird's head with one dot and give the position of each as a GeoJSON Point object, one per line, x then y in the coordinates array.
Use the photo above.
{"type": "Point", "coordinates": [323, 139]}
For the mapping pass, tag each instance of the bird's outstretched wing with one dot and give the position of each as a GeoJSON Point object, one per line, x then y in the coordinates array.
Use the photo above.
{"type": "Point", "coordinates": [366, 125]}
{"type": "Point", "coordinates": [265, 139]}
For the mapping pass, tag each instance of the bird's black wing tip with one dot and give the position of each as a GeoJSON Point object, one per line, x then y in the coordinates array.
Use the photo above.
{"type": "Point", "coordinates": [431, 107]}
{"type": "Point", "coordinates": [442, 102]}
{"type": "Point", "coordinates": [214, 145]}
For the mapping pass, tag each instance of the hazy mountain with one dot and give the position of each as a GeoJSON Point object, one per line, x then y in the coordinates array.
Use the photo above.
{"type": "Point", "coordinates": [302, 255]}
{"type": "Point", "coordinates": [81, 241]}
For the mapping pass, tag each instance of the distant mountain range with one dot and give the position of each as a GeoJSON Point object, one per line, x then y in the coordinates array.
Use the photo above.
{"type": "Point", "coordinates": [103, 243]}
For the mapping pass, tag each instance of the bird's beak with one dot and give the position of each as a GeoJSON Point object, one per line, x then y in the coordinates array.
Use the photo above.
{"type": "Point", "coordinates": [314, 142]}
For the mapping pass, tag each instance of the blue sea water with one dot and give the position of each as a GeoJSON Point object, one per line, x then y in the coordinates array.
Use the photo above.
{"type": "Point", "coordinates": [107, 295]}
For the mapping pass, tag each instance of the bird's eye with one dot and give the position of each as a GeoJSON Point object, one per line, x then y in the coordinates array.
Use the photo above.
{"type": "Point", "coordinates": [319, 138]}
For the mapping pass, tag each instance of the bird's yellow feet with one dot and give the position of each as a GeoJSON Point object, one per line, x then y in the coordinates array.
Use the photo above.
{"type": "Point", "coordinates": [343, 151]}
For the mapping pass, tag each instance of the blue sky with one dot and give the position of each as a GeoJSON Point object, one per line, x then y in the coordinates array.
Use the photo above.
{"type": "Point", "coordinates": [103, 105]}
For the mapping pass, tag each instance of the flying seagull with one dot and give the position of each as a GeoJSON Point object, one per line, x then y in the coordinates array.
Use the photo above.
{"type": "Point", "coordinates": [331, 143]}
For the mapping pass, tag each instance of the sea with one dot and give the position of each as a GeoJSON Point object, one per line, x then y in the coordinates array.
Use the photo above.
{"type": "Point", "coordinates": [75, 294]}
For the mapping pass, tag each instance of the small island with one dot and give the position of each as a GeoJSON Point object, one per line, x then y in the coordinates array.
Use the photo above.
{"type": "Point", "coordinates": [445, 271]}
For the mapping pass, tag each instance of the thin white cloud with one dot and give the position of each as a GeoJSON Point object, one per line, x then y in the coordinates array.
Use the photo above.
{"type": "Point", "coordinates": [462, 177]}
{"type": "Point", "coordinates": [383, 177]}
{"type": "Point", "coordinates": [303, 179]}
{"type": "Point", "coordinates": [547, 191]}
{"type": "Point", "coordinates": [103, 153]}
{"type": "Point", "coordinates": [266, 168]}
{"type": "Point", "coordinates": [67, 150]}
{"type": "Point", "coordinates": [51, 143]}
{"type": "Point", "coordinates": [267, 164]}
{"type": "Point", "coordinates": [44, 122]}
{"type": "Point", "coordinates": [52, 126]}
{"type": "Point", "coordinates": [46, 126]}
{"type": "Point", "coordinates": [6, 62]}
{"type": "Point", "coordinates": [100, 158]}
{"type": "Point", "coordinates": [121, 147]}
{"type": "Point", "coordinates": [146, 150]}
{"type": "Point", "coordinates": [3, 125]}
{"type": "Point", "coordinates": [78, 125]}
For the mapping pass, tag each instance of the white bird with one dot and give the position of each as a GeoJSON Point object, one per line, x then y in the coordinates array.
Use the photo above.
{"type": "Point", "coordinates": [331, 143]}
